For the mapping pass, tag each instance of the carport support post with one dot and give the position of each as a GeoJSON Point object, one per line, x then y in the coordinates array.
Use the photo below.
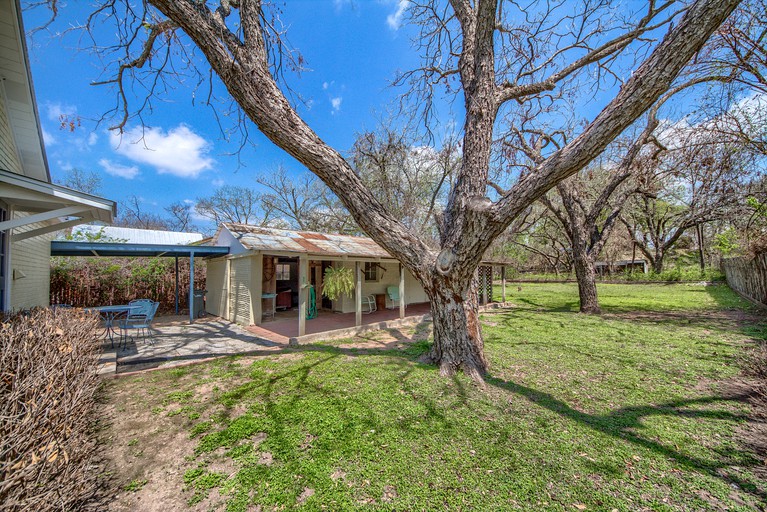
{"type": "Point", "coordinates": [503, 284]}
{"type": "Point", "coordinates": [303, 293]}
{"type": "Point", "coordinates": [401, 291]}
{"type": "Point", "coordinates": [191, 287]}
{"type": "Point", "coordinates": [177, 285]}
{"type": "Point", "coordinates": [357, 294]}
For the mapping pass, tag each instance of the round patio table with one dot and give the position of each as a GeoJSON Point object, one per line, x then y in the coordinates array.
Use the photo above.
{"type": "Point", "coordinates": [109, 314]}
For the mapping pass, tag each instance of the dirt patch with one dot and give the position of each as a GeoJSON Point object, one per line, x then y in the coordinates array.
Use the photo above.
{"type": "Point", "coordinates": [146, 455]}
{"type": "Point", "coordinates": [390, 339]}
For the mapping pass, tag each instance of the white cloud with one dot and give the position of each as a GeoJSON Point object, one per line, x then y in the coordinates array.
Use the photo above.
{"type": "Point", "coordinates": [179, 152]}
{"type": "Point", "coordinates": [121, 171]}
{"type": "Point", "coordinates": [218, 182]}
{"type": "Point", "coordinates": [394, 20]}
{"type": "Point", "coordinates": [49, 138]}
{"type": "Point", "coordinates": [336, 103]}
{"type": "Point", "coordinates": [93, 138]}
{"type": "Point", "coordinates": [54, 111]}
{"type": "Point", "coordinates": [325, 86]}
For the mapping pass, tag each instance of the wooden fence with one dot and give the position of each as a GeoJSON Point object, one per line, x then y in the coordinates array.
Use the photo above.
{"type": "Point", "coordinates": [748, 276]}
{"type": "Point", "coordinates": [84, 282]}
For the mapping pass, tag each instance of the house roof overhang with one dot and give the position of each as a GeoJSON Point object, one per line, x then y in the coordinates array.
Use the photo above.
{"type": "Point", "coordinates": [53, 206]}
{"type": "Point", "coordinates": [69, 248]}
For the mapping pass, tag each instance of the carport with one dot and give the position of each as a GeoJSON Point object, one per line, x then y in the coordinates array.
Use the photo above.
{"type": "Point", "coordinates": [97, 249]}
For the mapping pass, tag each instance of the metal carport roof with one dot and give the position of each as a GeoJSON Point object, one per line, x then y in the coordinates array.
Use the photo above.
{"type": "Point", "coordinates": [71, 248]}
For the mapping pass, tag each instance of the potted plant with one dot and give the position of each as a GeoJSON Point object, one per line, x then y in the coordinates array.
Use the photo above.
{"type": "Point", "coordinates": [337, 282]}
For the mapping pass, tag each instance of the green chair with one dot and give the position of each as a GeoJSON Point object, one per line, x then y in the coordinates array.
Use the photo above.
{"type": "Point", "coordinates": [392, 297]}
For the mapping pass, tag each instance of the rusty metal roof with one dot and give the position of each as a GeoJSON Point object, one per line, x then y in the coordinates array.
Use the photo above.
{"type": "Point", "coordinates": [321, 244]}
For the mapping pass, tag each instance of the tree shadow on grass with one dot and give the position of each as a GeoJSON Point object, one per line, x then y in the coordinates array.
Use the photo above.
{"type": "Point", "coordinates": [622, 423]}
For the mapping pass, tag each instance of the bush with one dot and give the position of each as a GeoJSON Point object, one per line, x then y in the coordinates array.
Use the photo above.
{"type": "Point", "coordinates": [84, 282]}
{"type": "Point", "coordinates": [48, 364]}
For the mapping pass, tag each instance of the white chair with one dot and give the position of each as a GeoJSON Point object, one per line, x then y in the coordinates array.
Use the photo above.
{"type": "Point", "coordinates": [369, 303]}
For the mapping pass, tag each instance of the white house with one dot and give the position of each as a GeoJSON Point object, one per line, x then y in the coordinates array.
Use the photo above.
{"type": "Point", "coordinates": [31, 207]}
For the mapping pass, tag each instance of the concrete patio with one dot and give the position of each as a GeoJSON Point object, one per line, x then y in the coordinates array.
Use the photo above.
{"type": "Point", "coordinates": [176, 342]}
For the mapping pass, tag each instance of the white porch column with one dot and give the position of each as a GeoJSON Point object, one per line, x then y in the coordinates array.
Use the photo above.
{"type": "Point", "coordinates": [357, 294]}
{"type": "Point", "coordinates": [503, 283]}
{"type": "Point", "coordinates": [401, 291]}
{"type": "Point", "coordinates": [303, 292]}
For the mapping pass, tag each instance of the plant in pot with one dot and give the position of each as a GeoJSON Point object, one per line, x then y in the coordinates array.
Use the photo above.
{"type": "Point", "coordinates": [337, 282]}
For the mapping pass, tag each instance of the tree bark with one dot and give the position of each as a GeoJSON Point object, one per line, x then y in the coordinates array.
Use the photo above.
{"type": "Point", "coordinates": [458, 343]}
{"type": "Point", "coordinates": [587, 283]}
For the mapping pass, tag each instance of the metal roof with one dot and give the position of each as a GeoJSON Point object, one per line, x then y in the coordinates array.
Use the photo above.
{"type": "Point", "coordinates": [67, 248]}
{"type": "Point", "coordinates": [137, 236]}
{"type": "Point", "coordinates": [256, 238]}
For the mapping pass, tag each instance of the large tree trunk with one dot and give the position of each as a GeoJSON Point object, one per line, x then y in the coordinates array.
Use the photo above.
{"type": "Point", "coordinates": [657, 262]}
{"type": "Point", "coordinates": [587, 283]}
{"type": "Point", "coordinates": [458, 343]}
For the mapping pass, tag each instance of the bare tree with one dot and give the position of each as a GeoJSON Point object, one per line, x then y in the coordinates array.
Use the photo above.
{"type": "Point", "coordinates": [240, 205]}
{"type": "Point", "coordinates": [503, 59]}
{"type": "Point", "coordinates": [590, 204]}
{"type": "Point", "coordinates": [703, 179]}
{"type": "Point", "coordinates": [411, 181]}
{"type": "Point", "coordinates": [133, 215]}
{"type": "Point", "coordinates": [304, 203]}
{"type": "Point", "coordinates": [82, 180]}
{"type": "Point", "coordinates": [180, 217]}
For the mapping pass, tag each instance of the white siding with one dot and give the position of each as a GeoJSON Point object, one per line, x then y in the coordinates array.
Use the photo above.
{"type": "Point", "coordinates": [216, 284]}
{"type": "Point", "coordinates": [9, 159]}
{"type": "Point", "coordinates": [31, 258]}
{"type": "Point", "coordinates": [239, 286]}
{"type": "Point", "coordinates": [413, 291]}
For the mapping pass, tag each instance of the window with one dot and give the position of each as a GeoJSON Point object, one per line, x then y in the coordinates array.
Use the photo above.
{"type": "Point", "coordinates": [283, 272]}
{"type": "Point", "coordinates": [371, 272]}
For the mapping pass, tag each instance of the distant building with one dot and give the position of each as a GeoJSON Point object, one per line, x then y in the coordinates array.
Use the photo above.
{"type": "Point", "coordinates": [115, 234]}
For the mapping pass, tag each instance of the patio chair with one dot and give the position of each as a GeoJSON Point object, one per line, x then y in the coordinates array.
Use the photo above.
{"type": "Point", "coordinates": [144, 304]}
{"type": "Point", "coordinates": [392, 297]}
{"type": "Point", "coordinates": [141, 323]}
{"type": "Point", "coordinates": [369, 303]}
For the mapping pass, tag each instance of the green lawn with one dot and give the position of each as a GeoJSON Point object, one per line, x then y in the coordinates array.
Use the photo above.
{"type": "Point", "coordinates": [625, 411]}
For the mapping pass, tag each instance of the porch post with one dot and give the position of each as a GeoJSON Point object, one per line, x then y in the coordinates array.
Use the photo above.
{"type": "Point", "coordinates": [191, 287]}
{"type": "Point", "coordinates": [357, 294]}
{"type": "Point", "coordinates": [177, 285]}
{"type": "Point", "coordinates": [401, 291]}
{"type": "Point", "coordinates": [503, 284]}
{"type": "Point", "coordinates": [303, 292]}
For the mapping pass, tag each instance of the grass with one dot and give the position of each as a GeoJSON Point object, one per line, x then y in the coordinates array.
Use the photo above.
{"type": "Point", "coordinates": [622, 411]}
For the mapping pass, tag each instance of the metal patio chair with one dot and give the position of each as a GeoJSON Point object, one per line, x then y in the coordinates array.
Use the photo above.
{"type": "Point", "coordinates": [140, 322]}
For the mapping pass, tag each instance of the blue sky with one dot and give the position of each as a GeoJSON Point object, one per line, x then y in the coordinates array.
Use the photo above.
{"type": "Point", "coordinates": [352, 50]}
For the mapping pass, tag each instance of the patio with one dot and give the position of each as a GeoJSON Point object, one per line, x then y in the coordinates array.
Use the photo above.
{"type": "Point", "coordinates": [178, 342]}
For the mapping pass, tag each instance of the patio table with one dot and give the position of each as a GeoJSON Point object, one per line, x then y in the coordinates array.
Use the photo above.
{"type": "Point", "coordinates": [109, 314]}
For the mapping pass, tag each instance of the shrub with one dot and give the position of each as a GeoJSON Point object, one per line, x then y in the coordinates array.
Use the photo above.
{"type": "Point", "coordinates": [84, 282]}
{"type": "Point", "coordinates": [48, 363]}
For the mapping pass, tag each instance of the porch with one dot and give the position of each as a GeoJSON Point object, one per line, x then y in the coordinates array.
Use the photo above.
{"type": "Point", "coordinates": [284, 328]}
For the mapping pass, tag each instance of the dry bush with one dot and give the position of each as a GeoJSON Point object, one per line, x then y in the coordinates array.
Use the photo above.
{"type": "Point", "coordinates": [48, 364]}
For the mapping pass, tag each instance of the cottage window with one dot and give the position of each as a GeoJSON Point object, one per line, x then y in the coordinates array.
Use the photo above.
{"type": "Point", "coordinates": [283, 272]}
{"type": "Point", "coordinates": [371, 272]}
